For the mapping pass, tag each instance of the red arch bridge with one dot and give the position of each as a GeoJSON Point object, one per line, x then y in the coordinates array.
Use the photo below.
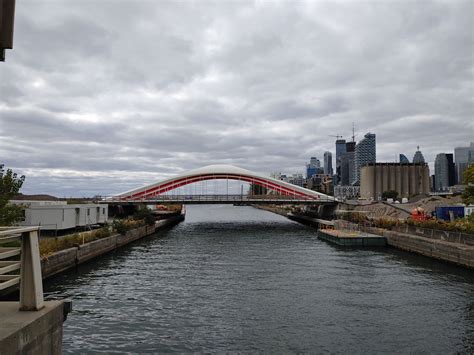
{"type": "Point", "coordinates": [163, 191]}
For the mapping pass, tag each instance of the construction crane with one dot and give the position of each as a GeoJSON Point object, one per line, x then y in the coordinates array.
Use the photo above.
{"type": "Point", "coordinates": [337, 136]}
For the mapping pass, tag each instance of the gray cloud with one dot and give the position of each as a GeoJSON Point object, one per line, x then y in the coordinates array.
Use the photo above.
{"type": "Point", "coordinates": [98, 97]}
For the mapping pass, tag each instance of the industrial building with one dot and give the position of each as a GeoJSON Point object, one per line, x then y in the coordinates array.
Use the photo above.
{"type": "Point", "coordinates": [407, 179]}
{"type": "Point", "coordinates": [58, 215]}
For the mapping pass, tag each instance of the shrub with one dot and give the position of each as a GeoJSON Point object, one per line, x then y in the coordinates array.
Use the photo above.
{"type": "Point", "coordinates": [146, 215]}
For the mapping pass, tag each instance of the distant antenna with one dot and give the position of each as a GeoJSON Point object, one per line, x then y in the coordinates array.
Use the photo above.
{"type": "Point", "coordinates": [353, 130]}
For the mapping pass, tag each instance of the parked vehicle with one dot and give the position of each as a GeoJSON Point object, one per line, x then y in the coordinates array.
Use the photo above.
{"type": "Point", "coordinates": [419, 214]}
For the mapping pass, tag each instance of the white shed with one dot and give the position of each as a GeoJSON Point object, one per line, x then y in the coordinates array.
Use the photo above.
{"type": "Point", "coordinates": [58, 215]}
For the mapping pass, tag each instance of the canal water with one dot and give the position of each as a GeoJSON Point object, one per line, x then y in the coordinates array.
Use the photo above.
{"type": "Point", "coordinates": [241, 279]}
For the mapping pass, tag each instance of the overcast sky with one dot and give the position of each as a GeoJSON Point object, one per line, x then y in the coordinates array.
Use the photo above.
{"type": "Point", "coordinates": [102, 96]}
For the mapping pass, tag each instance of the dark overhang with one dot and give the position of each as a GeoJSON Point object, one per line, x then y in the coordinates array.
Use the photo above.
{"type": "Point", "coordinates": [7, 16]}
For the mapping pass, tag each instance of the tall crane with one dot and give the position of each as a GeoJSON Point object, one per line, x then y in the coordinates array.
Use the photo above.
{"type": "Point", "coordinates": [337, 136]}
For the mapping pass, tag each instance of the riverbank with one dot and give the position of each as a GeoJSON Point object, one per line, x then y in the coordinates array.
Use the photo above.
{"type": "Point", "coordinates": [72, 257]}
{"type": "Point", "coordinates": [452, 247]}
{"type": "Point", "coordinates": [69, 258]}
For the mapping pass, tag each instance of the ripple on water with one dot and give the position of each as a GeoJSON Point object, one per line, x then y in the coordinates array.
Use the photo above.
{"type": "Point", "coordinates": [237, 278]}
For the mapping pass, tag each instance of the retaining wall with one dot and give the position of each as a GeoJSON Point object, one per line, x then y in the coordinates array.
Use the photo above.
{"type": "Point", "coordinates": [68, 258]}
{"type": "Point", "coordinates": [34, 333]}
{"type": "Point", "coordinates": [453, 237]}
{"type": "Point", "coordinates": [457, 253]}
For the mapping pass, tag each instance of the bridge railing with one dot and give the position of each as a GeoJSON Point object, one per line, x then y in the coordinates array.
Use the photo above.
{"type": "Point", "coordinates": [213, 198]}
{"type": "Point", "coordinates": [22, 265]}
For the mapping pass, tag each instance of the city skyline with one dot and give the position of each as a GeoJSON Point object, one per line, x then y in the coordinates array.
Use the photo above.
{"type": "Point", "coordinates": [185, 86]}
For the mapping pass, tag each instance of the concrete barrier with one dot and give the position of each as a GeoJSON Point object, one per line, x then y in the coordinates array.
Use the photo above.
{"type": "Point", "coordinates": [453, 237]}
{"type": "Point", "coordinates": [58, 262]}
{"type": "Point", "coordinates": [456, 253]}
{"type": "Point", "coordinates": [69, 258]}
{"type": "Point", "coordinates": [39, 332]}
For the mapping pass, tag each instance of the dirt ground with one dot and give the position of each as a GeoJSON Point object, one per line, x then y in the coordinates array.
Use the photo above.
{"type": "Point", "coordinates": [402, 211]}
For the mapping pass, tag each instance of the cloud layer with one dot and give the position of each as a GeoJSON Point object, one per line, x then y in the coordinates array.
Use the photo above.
{"type": "Point", "coordinates": [99, 97]}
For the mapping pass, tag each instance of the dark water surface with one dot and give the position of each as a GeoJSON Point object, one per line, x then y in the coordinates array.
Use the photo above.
{"type": "Point", "coordinates": [238, 278]}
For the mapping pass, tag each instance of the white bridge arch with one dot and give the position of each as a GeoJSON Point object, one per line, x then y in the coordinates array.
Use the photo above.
{"type": "Point", "coordinates": [222, 172]}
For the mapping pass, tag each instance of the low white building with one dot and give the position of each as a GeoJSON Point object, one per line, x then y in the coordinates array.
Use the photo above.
{"type": "Point", "coordinates": [58, 215]}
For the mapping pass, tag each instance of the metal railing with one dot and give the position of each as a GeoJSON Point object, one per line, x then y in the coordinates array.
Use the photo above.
{"type": "Point", "coordinates": [22, 265]}
{"type": "Point", "coordinates": [225, 198]}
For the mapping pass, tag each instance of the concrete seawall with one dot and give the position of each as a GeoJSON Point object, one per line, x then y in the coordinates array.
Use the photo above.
{"type": "Point", "coordinates": [39, 332]}
{"type": "Point", "coordinates": [457, 253]}
{"type": "Point", "coordinates": [452, 247]}
{"type": "Point", "coordinates": [72, 257]}
{"type": "Point", "coordinates": [69, 258]}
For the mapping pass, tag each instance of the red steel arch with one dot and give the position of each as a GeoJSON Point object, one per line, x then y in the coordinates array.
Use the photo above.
{"type": "Point", "coordinates": [214, 172]}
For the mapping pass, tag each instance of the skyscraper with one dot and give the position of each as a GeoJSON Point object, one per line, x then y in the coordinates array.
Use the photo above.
{"type": "Point", "coordinates": [418, 157]}
{"type": "Point", "coordinates": [340, 149]}
{"type": "Point", "coordinates": [444, 172]}
{"type": "Point", "coordinates": [404, 159]}
{"type": "Point", "coordinates": [347, 168]}
{"type": "Point", "coordinates": [313, 167]}
{"type": "Point", "coordinates": [463, 156]}
{"type": "Point", "coordinates": [365, 153]}
{"type": "Point", "coordinates": [328, 163]}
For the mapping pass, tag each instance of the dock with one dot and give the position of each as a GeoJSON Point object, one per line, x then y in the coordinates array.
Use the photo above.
{"type": "Point", "coordinates": [348, 238]}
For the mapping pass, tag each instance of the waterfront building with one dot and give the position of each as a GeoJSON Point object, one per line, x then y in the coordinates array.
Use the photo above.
{"type": "Point", "coordinates": [404, 159]}
{"type": "Point", "coordinates": [463, 156]}
{"type": "Point", "coordinates": [58, 215]}
{"type": "Point", "coordinates": [365, 153]}
{"type": "Point", "coordinates": [418, 158]}
{"type": "Point", "coordinates": [328, 163]}
{"type": "Point", "coordinates": [346, 192]}
{"type": "Point", "coordinates": [407, 179]}
{"type": "Point", "coordinates": [444, 172]}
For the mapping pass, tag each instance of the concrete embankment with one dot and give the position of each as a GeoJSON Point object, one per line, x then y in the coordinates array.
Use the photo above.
{"type": "Point", "coordinates": [457, 253]}
{"type": "Point", "coordinates": [34, 332]}
{"type": "Point", "coordinates": [452, 247]}
{"type": "Point", "coordinates": [72, 257]}
{"type": "Point", "coordinates": [69, 258]}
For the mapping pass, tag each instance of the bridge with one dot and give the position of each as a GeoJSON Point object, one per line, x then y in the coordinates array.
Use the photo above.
{"type": "Point", "coordinates": [162, 192]}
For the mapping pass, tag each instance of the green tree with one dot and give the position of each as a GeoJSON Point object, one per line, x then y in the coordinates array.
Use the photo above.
{"type": "Point", "coordinates": [468, 179]}
{"type": "Point", "coordinates": [389, 194]}
{"type": "Point", "coordinates": [10, 184]}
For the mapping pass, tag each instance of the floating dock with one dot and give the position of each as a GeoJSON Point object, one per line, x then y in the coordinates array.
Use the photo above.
{"type": "Point", "coordinates": [348, 238]}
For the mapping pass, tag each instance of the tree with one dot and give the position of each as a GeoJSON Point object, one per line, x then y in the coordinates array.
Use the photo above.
{"type": "Point", "coordinates": [10, 184]}
{"type": "Point", "coordinates": [389, 194]}
{"type": "Point", "coordinates": [468, 179]}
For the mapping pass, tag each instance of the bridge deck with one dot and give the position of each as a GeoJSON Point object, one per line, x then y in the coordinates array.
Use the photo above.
{"type": "Point", "coordinates": [219, 199]}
